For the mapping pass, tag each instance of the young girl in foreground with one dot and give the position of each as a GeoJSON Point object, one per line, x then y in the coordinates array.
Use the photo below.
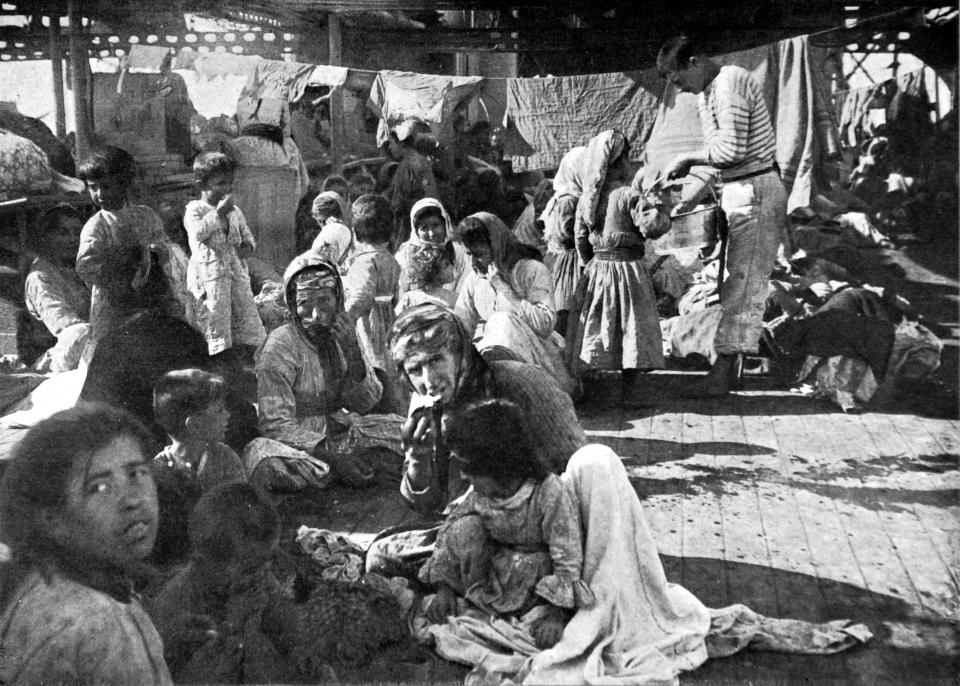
{"type": "Point", "coordinates": [513, 544]}
{"type": "Point", "coordinates": [78, 509]}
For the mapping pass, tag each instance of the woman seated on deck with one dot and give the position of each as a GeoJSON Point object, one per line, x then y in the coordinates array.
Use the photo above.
{"type": "Point", "coordinates": [517, 600]}
{"type": "Point", "coordinates": [314, 388]}
{"type": "Point", "coordinates": [507, 303]}
{"type": "Point", "coordinates": [53, 292]}
{"type": "Point", "coordinates": [79, 513]}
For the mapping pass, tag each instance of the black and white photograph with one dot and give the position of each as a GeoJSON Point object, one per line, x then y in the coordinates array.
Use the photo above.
{"type": "Point", "coordinates": [480, 342]}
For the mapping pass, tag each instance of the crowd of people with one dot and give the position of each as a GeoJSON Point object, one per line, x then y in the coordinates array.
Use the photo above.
{"type": "Point", "coordinates": [408, 333]}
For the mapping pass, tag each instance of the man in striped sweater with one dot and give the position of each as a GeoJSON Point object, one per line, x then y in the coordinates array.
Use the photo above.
{"type": "Point", "coordinates": [739, 141]}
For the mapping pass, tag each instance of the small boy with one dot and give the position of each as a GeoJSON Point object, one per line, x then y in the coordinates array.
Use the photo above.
{"type": "Point", "coordinates": [109, 234]}
{"type": "Point", "coordinates": [220, 242]}
{"type": "Point", "coordinates": [189, 405]}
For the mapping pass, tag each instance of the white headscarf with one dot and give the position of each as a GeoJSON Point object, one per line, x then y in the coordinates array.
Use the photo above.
{"type": "Point", "coordinates": [418, 207]}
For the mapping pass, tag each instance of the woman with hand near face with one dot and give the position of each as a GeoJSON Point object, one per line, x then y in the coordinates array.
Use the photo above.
{"type": "Point", "coordinates": [436, 357]}
{"type": "Point", "coordinates": [507, 303]}
{"type": "Point", "coordinates": [79, 512]}
{"type": "Point", "coordinates": [315, 387]}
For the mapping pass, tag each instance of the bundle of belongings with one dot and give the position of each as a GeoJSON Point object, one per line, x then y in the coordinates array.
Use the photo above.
{"type": "Point", "coordinates": [837, 338]}
{"type": "Point", "coordinates": [25, 169]}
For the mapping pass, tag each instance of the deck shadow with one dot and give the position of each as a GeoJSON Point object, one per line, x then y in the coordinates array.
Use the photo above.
{"type": "Point", "coordinates": [930, 656]}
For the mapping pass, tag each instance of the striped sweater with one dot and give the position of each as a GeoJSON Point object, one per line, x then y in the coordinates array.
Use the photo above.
{"type": "Point", "coordinates": [736, 124]}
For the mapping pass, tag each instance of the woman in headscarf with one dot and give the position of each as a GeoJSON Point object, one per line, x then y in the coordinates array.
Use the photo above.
{"type": "Point", "coordinates": [576, 185]}
{"type": "Point", "coordinates": [434, 353]}
{"type": "Point", "coordinates": [618, 326]}
{"type": "Point", "coordinates": [431, 224]}
{"type": "Point", "coordinates": [313, 382]}
{"type": "Point", "coordinates": [507, 303]}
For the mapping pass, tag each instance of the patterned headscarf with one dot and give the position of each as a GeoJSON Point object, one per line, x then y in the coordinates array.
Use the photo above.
{"type": "Point", "coordinates": [309, 271]}
{"type": "Point", "coordinates": [429, 328]}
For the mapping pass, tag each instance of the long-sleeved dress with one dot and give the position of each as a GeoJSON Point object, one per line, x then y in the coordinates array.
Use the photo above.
{"type": "Point", "coordinates": [105, 244]}
{"type": "Point", "coordinates": [58, 631]}
{"type": "Point", "coordinates": [371, 294]}
{"type": "Point", "coordinates": [506, 555]}
{"type": "Point", "coordinates": [219, 279]}
{"type": "Point", "coordinates": [57, 297]}
{"type": "Point", "coordinates": [618, 326]}
{"type": "Point", "coordinates": [308, 399]}
{"type": "Point", "coordinates": [525, 326]}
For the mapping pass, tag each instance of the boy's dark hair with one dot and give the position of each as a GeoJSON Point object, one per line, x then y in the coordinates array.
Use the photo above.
{"type": "Point", "coordinates": [210, 164]}
{"type": "Point", "coordinates": [675, 54]}
{"type": "Point", "coordinates": [107, 161]}
{"type": "Point", "coordinates": [35, 480]}
{"type": "Point", "coordinates": [426, 263]}
{"type": "Point", "coordinates": [491, 438]}
{"type": "Point", "coordinates": [334, 182]}
{"type": "Point", "coordinates": [372, 219]}
{"type": "Point", "coordinates": [182, 393]}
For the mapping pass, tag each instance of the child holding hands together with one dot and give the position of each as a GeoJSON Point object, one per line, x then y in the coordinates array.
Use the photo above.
{"type": "Point", "coordinates": [220, 242]}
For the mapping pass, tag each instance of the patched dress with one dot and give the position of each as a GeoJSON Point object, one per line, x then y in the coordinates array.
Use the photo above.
{"type": "Point", "coordinates": [506, 555]}
{"type": "Point", "coordinates": [618, 326]}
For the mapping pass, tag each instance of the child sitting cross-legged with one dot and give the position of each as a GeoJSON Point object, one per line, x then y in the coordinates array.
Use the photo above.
{"type": "Point", "coordinates": [512, 547]}
{"type": "Point", "coordinates": [189, 405]}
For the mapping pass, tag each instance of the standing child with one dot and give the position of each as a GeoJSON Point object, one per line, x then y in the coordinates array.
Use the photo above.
{"type": "Point", "coordinates": [109, 234]}
{"type": "Point", "coordinates": [220, 242]}
{"type": "Point", "coordinates": [512, 547]}
{"type": "Point", "coordinates": [371, 288]}
{"type": "Point", "coordinates": [189, 405]}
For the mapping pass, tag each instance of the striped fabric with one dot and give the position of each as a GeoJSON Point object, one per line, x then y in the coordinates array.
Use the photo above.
{"type": "Point", "coordinates": [736, 124]}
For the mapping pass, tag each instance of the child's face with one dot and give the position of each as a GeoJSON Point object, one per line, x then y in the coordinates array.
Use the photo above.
{"type": "Point", "coordinates": [108, 193]}
{"type": "Point", "coordinates": [210, 424]}
{"type": "Point", "coordinates": [218, 187]}
{"type": "Point", "coordinates": [111, 509]}
{"type": "Point", "coordinates": [431, 229]}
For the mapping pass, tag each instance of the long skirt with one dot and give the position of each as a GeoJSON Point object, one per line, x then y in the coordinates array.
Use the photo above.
{"type": "Point", "coordinates": [565, 270]}
{"type": "Point", "coordinates": [618, 326]}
